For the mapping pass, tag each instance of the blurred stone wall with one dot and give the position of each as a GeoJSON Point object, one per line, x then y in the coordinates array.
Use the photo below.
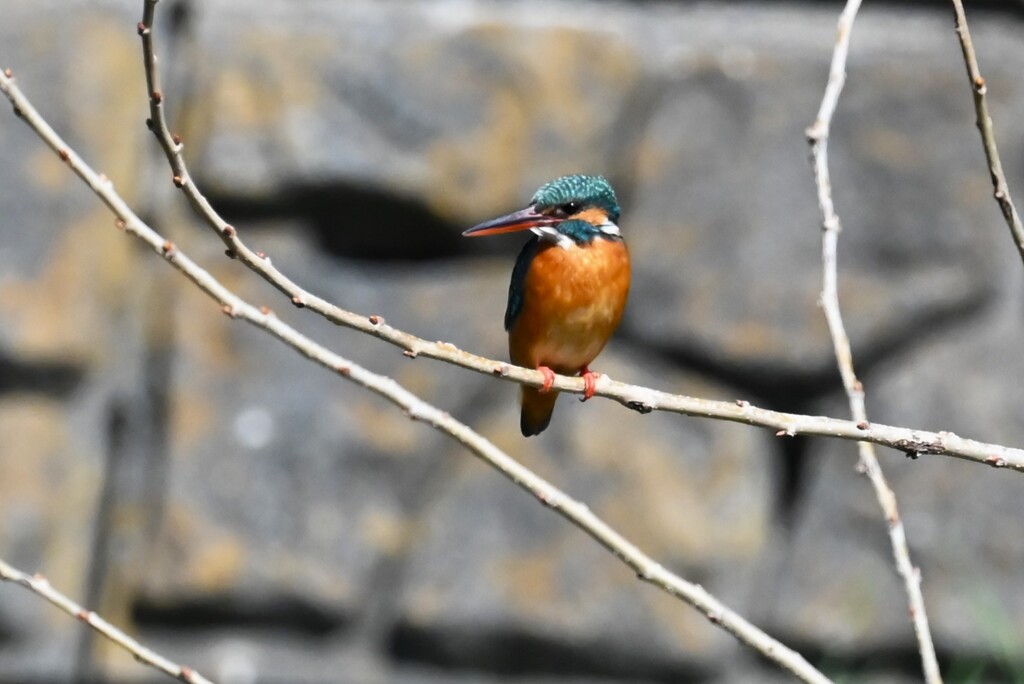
{"type": "Point", "coordinates": [242, 511]}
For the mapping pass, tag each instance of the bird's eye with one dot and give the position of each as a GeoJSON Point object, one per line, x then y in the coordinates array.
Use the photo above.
{"type": "Point", "coordinates": [569, 208]}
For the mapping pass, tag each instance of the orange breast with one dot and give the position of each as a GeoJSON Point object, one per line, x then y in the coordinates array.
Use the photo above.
{"type": "Point", "coordinates": [573, 300]}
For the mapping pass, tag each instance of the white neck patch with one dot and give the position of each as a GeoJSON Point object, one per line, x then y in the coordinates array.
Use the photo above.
{"type": "Point", "coordinates": [551, 235]}
{"type": "Point", "coordinates": [609, 228]}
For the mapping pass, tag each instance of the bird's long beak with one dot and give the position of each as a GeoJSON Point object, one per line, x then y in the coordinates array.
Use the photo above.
{"type": "Point", "coordinates": [517, 220]}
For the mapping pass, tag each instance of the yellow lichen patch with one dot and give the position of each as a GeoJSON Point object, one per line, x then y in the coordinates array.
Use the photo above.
{"type": "Point", "coordinates": [47, 171]}
{"type": "Point", "coordinates": [559, 88]}
{"type": "Point", "coordinates": [292, 72]}
{"type": "Point", "coordinates": [108, 106]}
{"type": "Point", "coordinates": [34, 439]}
{"type": "Point", "coordinates": [419, 378]}
{"type": "Point", "coordinates": [753, 337]}
{"type": "Point", "coordinates": [425, 605]}
{"type": "Point", "coordinates": [330, 585]}
{"type": "Point", "coordinates": [382, 428]}
{"type": "Point", "coordinates": [162, 571]}
{"type": "Point", "coordinates": [250, 103]}
{"type": "Point", "coordinates": [204, 333]}
{"type": "Point", "coordinates": [57, 314]}
{"type": "Point", "coordinates": [266, 79]}
{"type": "Point", "coordinates": [682, 626]}
{"type": "Point", "coordinates": [973, 190]}
{"type": "Point", "coordinates": [386, 533]}
{"type": "Point", "coordinates": [652, 497]}
{"type": "Point", "coordinates": [570, 70]}
{"type": "Point", "coordinates": [851, 598]}
{"type": "Point", "coordinates": [529, 582]}
{"type": "Point", "coordinates": [482, 167]}
{"type": "Point", "coordinates": [47, 483]}
{"type": "Point", "coordinates": [109, 111]}
{"type": "Point", "coordinates": [536, 584]}
{"type": "Point", "coordinates": [675, 499]}
{"type": "Point", "coordinates": [892, 148]}
{"type": "Point", "coordinates": [217, 565]}
{"type": "Point", "coordinates": [193, 417]}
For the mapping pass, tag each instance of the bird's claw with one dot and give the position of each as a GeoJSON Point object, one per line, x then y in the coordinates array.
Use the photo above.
{"type": "Point", "coordinates": [589, 383]}
{"type": "Point", "coordinates": [549, 379]}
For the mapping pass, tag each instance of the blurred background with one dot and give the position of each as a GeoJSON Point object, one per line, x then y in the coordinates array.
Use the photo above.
{"type": "Point", "coordinates": [246, 513]}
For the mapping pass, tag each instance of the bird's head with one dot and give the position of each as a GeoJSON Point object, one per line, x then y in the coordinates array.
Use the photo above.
{"type": "Point", "coordinates": [568, 210]}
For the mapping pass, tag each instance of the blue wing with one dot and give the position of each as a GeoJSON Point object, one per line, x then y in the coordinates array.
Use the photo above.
{"type": "Point", "coordinates": [515, 288]}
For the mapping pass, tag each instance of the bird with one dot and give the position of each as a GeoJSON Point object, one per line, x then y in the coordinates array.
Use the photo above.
{"type": "Point", "coordinates": [569, 286]}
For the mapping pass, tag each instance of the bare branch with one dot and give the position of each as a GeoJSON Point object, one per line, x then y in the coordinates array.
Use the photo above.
{"type": "Point", "coordinates": [988, 135]}
{"type": "Point", "coordinates": [646, 568]}
{"type": "Point", "coordinates": [642, 399]}
{"type": "Point", "coordinates": [38, 584]}
{"type": "Point", "coordinates": [818, 136]}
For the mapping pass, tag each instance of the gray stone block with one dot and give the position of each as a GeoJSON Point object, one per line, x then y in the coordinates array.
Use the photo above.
{"type": "Point", "coordinates": [252, 489]}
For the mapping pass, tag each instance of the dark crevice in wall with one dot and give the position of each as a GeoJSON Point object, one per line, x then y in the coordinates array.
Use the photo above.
{"type": "Point", "coordinates": [55, 379]}
{"type": "Point", "coordinates": [152, 415]}
{"type": "Point", "coordinates": [99, 548]}
{"type": "Point", "coordinates": [353, 222]}
{"type": "Point", "coordinates": [791, 480]}
{"type": "Point", "coordinates": [179, 17]}
{"type": "Point", "coordinates": [509, 652]}
{"type": "Point", "coordinates": [130, 503]}
{"type": "Point", "coordinates": [242, 613]}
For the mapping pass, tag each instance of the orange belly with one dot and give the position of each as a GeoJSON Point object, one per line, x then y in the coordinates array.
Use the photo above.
{"type": "Point", "coordinates": [573, 300]}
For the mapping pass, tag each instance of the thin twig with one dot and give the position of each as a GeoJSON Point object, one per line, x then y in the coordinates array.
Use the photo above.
{"type": "Point", "coordinates": [646, 568]}
{"type": "Point", "coordinates": [818, 136]}
{"type": "Point", "coordinates": [41, 586]}
{"type": "Point", "coordinates": [988, 135]}
{"type": "Point", "coordinates": [642, 399]}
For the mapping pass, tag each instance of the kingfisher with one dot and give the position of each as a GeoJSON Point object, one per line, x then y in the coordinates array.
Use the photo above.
{"type": "Point", "coordinates": [569, 286]}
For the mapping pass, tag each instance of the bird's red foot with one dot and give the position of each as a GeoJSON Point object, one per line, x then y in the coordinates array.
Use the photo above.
{"type": "Point", "coordinates": [589, 383]}
{"type": "Point", "coordinates": [549, 379]}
